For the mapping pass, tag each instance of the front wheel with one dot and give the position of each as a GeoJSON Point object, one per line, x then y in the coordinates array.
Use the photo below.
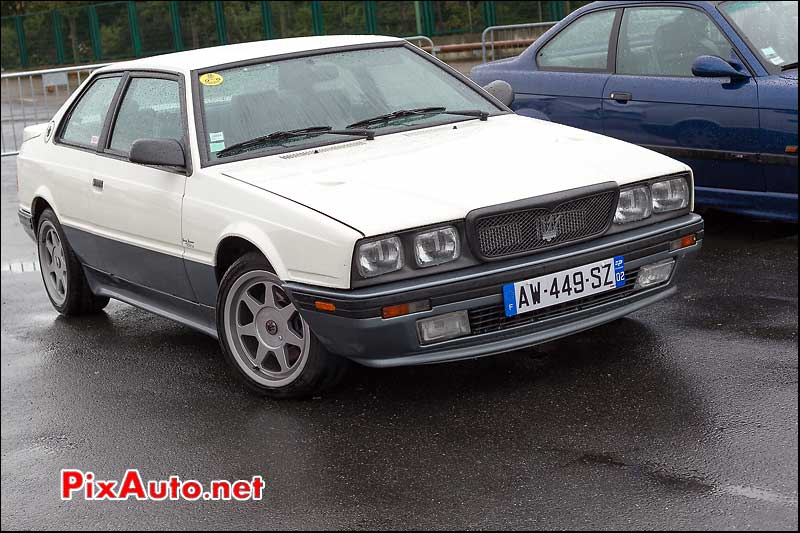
{"type": "Point", "coordinates": [266, 341]}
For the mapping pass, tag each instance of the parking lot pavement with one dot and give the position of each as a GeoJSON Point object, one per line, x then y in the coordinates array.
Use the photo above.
{"type": "Point", "coordinates": [682, 416]}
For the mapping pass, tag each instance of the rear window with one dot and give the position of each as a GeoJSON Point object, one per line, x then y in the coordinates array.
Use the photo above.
{"type": "Point", "coordinates": [583, 45]}
{"type": "Point", "coordinates": [85, 123]}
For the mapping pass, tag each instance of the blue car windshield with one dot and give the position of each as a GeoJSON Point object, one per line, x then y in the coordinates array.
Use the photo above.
{"type": "Point", "coordinates": [769, 28]}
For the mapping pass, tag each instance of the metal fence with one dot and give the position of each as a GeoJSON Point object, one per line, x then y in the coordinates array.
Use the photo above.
{"type": "Point", "coordinates": [33, 97]}
{"type": "Point", "coordinates": [116, 30]}
{"type": "Point", "coordinates": [488, 37]}
{"type": "Point", "coordinates": [426, 43]}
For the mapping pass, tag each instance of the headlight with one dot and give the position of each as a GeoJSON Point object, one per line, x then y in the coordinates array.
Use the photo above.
{"type": "Point", "coordinates": [634, 204]}
{"type": "Point", "coordinates": [436, 247]}
{"type": "Point", "coordinates": [379, 257]}
{"type": "Point", "coordinates": [670, 195]}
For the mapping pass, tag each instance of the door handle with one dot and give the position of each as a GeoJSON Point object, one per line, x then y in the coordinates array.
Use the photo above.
{"type": "Point", "coordinates": [97, 184]}
{"type": "Point", "coordinates": [622, 98]}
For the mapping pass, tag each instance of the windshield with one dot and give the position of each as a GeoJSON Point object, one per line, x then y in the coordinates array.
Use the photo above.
{"type": "Point", "coordinates": [769, 28]}
{"type": "Point", "coordinates": [335, 89]}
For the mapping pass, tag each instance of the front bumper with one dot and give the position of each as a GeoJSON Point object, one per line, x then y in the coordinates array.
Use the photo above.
{"type": "Point", "coordinates": [356, 329]}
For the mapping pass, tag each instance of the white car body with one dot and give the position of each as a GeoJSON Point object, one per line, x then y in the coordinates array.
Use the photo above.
{"type": "Point", "coordinates": [306, 210]}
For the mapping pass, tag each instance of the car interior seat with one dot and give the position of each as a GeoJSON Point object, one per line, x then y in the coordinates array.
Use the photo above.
{"type": "Point", "coordinates": [260, 113]}
{"type": "Point", "coordinates": [679, 43]}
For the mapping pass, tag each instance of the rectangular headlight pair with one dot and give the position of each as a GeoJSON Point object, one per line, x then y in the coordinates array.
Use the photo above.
{"type": "Point", "coordinates": [431, 248]}
{"type": "Point", "coordinates": [640, 202]}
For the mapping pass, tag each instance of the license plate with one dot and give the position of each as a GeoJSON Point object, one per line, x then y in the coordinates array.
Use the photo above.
{"type": "Point", "coordinates": [565, 286]}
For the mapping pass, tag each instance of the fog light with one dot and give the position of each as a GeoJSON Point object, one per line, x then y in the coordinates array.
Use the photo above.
{"type": "Point", "coordinates": [654, 273]}
{"type": "Point", "coordinates": [443, 327]}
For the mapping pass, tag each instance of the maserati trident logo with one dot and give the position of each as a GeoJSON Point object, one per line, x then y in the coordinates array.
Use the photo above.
{"type": "Point", "coordinates": [549, 227]}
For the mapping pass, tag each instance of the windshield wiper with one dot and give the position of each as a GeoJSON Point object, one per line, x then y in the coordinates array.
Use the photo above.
{"type": "Point", "coordinates": [788, 66]}
{"type": "Point", "coordinates": [292, 134]}
{"type": "Point", "coordinates": [420, 111]}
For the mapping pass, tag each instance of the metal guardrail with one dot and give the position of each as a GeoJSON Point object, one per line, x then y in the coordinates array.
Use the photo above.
{"type": "Point", "coordinates": [491, 29]}
{"type": "Point", "coordinates": [34, 96]}
{"type": "Point", "coordinates": [423, 38]}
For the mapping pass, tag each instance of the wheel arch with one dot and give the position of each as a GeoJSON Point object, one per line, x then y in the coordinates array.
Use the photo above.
{"type": "Point", "coordinates": [41, 201]}
{"type": "Point", "coordinates": [239, 241]}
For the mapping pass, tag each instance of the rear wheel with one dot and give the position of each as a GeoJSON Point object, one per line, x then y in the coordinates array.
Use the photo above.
{"type": "Point", "coordinates": [62, 273]}
{"type": "Point", "coordinates": [266, 341]}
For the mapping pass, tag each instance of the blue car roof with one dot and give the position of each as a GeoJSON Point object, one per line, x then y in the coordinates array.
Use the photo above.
{"type": "Point", "coordinates": [628, 2]}
{"type": "Point", "coordinates": [707, 5]}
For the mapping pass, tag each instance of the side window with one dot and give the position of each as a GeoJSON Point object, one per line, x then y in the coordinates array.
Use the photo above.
{"type": "Point", "coordinates": [665, 41]}
{"type": "Point", "coordinates": [86, 120]}
{"type": "Point", "coordinates": [151, 109]}
{"type": "Point", "coordinates": [582, 45]}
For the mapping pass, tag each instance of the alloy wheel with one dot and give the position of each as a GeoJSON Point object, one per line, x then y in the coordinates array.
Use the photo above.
{"type": "Point", "coordinates": [268, 337]}
{"type": "Point", "coordinates": [53, 263]}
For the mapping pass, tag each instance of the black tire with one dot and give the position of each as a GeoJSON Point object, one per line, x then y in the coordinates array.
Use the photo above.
{"type": "Point", "coordinates": [77, 298]}
{"type": "Point", "coordinates": [319, 371]}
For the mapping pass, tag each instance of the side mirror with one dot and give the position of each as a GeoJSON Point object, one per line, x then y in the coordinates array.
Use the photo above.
{"type": "Point", "coordinates": [502, 91]}
{"type": "Point", "coordinates": [164, 152]}
{"type": "Point", "coordinates": [716, 67]}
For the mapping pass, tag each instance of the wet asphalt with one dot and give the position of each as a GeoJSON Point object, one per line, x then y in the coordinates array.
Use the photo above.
{"type": "Point", "coordinates": [683, 415]}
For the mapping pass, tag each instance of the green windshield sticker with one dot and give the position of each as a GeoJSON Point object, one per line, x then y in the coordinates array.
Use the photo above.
{"type": "Point", "coordinates": [217, 146]}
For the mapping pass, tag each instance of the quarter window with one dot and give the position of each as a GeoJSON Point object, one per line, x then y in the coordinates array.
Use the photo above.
{"type": "Point", "coordinates": [666, 41]}
{"type": "Point", "coordinates": [151, 109]}
{"type": "Point", "coordinates": [583, 45]}
{"type": "Point", "coordinates": [85, 123]}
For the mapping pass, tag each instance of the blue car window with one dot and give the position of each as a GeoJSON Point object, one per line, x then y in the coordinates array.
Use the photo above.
{"type": "Point", "coordinates": [665, 41]}
{"type": "Point", "coordinates": [583, 45]}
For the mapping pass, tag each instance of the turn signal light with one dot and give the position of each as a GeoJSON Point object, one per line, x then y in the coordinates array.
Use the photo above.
{"type": "Point", "coordinates": [392, 311]}
{"type": "Point", "coordinates": [684, 242]}
{"type": "Point", "coordinates": [324, 306]}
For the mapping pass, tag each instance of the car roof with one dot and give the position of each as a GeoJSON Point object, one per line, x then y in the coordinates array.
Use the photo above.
{"type": "Point", "coordinates": [615, 3]}
{"type": "Point", "coordinates": [203, 58]}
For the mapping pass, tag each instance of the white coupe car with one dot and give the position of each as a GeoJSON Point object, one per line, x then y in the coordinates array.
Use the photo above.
{"type": "Point", "coordinates": [317, 200]}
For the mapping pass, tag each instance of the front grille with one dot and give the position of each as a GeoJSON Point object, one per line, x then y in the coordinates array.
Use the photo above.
{"type": "Point", "coordinates": [527, 230]}
{"type": "Point", "coordinates": [491, 318]}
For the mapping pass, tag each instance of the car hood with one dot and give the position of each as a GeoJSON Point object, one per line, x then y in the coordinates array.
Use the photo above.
{"type": "Point", "coordinates": [790, 74]}
{"type": "Point", "coordinates": [420, 177]}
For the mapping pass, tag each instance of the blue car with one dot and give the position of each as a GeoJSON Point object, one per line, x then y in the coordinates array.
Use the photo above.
{"type": "Point", "coordinates": [713, 84]}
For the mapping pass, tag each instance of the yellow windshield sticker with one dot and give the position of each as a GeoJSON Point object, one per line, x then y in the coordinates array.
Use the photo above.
{"type": "Point", "coordinates": [211, 79]}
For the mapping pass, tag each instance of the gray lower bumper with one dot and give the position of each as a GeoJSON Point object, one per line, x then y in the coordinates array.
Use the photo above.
{"type": "Point", "coordinates": [26, 219]}
{"type": "Point", "coordinates": [358, 334]}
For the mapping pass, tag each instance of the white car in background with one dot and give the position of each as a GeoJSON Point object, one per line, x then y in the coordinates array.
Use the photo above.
{"type": "Point", "coordinates": [316, 200]}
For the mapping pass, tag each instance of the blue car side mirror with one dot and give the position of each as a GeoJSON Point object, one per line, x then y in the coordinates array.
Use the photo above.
{"type": "Point", "coordinates": [716, 67]}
